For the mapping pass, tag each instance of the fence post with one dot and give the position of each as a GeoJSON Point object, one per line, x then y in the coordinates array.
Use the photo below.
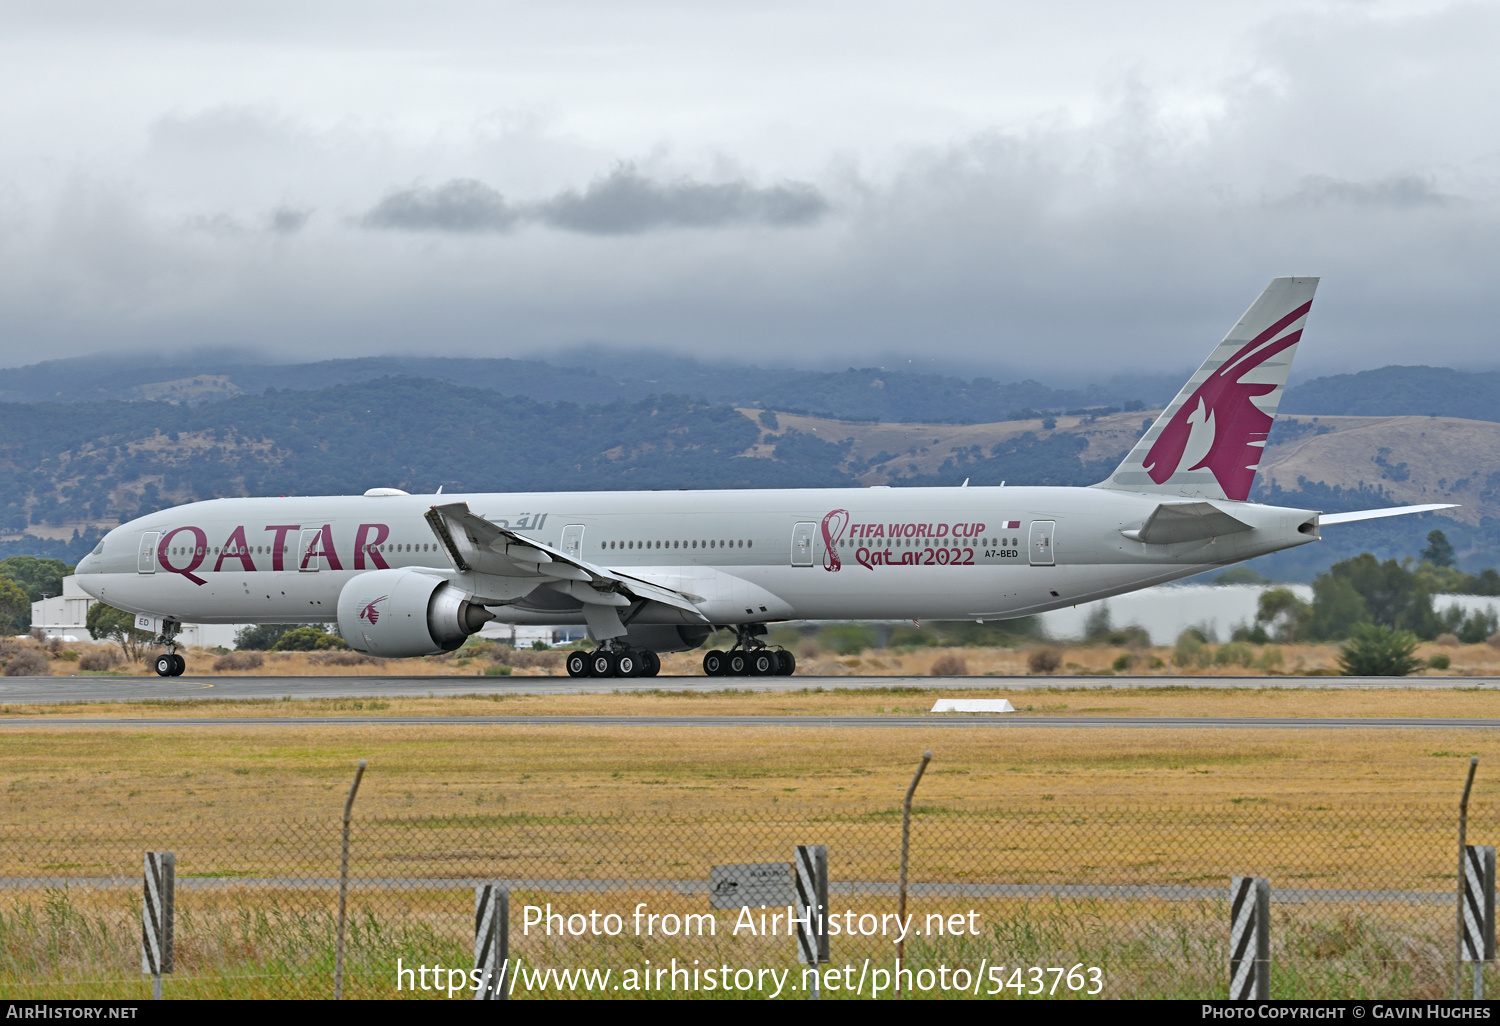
{"type": "Point", "coordinates": [1463, 832]}
{"type": "Point", "coordinates": [1477, 941]}
{"type": "Point", "coordinates": [157, 911]}
{"type": "Point", "coordinates": [492, 941]}
{"type": "Point", "coordinates": [338, 951]}
{"type": "Point", "coordinates": [1249, 938]}
{"type": "Point", "coordinates": [905, 844]}
{"type": "Point", "coordinates": [810, 870]}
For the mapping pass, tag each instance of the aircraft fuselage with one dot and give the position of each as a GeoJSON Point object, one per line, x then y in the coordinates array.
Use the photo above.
{"type": "Point", "coordinates": [743, 556]}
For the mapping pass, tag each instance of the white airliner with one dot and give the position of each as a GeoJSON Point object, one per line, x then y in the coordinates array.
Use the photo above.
{"type": "Point", "coordinates": [649, 572]}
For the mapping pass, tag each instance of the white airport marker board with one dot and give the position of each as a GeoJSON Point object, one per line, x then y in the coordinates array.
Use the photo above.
{"type": "Point", "coordinates": [973, 705]}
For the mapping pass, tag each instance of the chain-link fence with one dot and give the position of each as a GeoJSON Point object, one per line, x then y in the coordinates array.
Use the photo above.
{"type": "Point", "coordinates": [1362, 903]}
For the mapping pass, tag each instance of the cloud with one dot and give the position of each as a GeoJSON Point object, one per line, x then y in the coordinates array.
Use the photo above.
{"type": "Point", "coordinates": [1398, 192]}
{"type": "Point", "coordinates": [624, 202]}
{"type": "Point", "coordinates": [840, 208]}
{"type": "Point", "coordinates": [288, 220]}
{"type": "Point", "coordinates": [460, 205]}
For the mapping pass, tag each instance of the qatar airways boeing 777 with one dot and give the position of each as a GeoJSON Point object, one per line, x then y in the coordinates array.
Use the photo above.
{"type": "Point", "coordinates": [649, 572]}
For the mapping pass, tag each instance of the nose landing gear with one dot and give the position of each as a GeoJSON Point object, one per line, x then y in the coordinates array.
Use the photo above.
{"type": "Point", "coordinates": [169, 663]}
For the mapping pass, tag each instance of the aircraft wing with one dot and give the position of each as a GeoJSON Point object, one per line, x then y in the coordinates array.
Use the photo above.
{"type": "Point", "coordinates": [474, 543]}
{"type": "Point", "coordinates": [1173, 522]}
{"type": "Point", "coordinates": [1375, 514]}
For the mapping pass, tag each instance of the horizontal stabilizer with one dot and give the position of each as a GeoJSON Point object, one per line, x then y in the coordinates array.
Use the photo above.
{"type": "Point", "coordinates": [1375, 514]}
{"type": "Point", "coordinates": [1174, 522]}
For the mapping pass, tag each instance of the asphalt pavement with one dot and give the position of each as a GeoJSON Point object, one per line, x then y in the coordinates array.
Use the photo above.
{"type": "Point", "coordinates": [34, 690]}
{"type": "Point", "coordinates": [996, 721]}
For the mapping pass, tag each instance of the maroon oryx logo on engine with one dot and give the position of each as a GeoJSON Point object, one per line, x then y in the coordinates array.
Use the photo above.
{"type": "Point", "coordinates": [370, 613]}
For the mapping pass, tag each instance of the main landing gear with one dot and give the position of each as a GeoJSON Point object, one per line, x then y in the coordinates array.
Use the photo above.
{"type": "Point", "coordinates": [750, 657]}
{"type": "Point", "coordinates": [169, 663]}
{"type": "Point", "coordinates": [614, 662]}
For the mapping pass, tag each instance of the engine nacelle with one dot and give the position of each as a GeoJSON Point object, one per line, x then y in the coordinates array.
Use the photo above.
{"type": "Point", "coordinates": [398, 613]}
{"type": "Point", "coordinates": [666, 637]}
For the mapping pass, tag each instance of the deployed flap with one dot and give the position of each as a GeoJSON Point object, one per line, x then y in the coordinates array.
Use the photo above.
{"type": "Point", "coordinates": [1174, 522]}
{"type": "Point", "coordinates": [473, 543]}
{"type": "Point", "coordinates": [1376, 514]}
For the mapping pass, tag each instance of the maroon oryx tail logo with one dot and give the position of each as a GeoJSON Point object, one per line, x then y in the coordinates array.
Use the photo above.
{"type": "Point", "coordinates": [1220, 427]}
{"type": "Point", "coordinates": [833, 530]}
{"type": "Point", "coordinates": [370, 613]}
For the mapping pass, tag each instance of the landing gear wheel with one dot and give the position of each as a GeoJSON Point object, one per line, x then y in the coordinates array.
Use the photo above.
{"type": "Point", "coordinates": [165, 665]}
{"type": "Point", "coordinates": [629, 664]}
{"type": "Point", "coordinates": [738, 665]}
{"type": "Point", "coordinates": [715, 664]}
{"type": "Point", "coordinates": [578, 664]}
{"type": "Point", "coordinates": [602, 664]}
{"type": "Point", "coordinates": [764, 663]}
{"type": "Point", "coordinates": [652, 664]}
{"type": "Point", "coordinates": [787, 664]}
{"type": "Point", "coordinates": [179, 665]}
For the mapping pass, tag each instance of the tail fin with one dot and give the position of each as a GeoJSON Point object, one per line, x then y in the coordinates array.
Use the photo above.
{"type": "Point", "coordinates": [1208, 443]}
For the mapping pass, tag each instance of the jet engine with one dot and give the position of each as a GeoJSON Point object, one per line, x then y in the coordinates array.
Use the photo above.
{"type": "Point", "coordinates": [398, 613]}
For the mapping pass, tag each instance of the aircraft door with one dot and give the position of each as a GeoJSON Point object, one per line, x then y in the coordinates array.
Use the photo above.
{"type": "Point", "coordinates": [802, 544]}
{"type": "Point", "coordinates": [1041, 542]}
{"type": "Point", "coordinates": [572, 540]}
{"type": "Point", "coordinates": [145, 560]}
{"type": "Point", "coordinates": [309, 559]}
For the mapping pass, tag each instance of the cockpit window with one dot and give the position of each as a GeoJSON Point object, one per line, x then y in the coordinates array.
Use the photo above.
{"type": "Point", "coordinates": [99, 549]}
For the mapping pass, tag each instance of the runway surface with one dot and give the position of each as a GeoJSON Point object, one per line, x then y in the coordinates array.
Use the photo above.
{"type": "Point", "coordinates": [1008, 721]}
{"type": "Point", "coordinates": [35, 690]}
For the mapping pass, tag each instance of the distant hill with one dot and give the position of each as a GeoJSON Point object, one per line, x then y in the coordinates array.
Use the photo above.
{"type": "Point", "coordinates": [1399, 392]}
{"type": "Point", "coordinates": [70, 470]}
{"type": "Point", "coordinates": [857, 393]}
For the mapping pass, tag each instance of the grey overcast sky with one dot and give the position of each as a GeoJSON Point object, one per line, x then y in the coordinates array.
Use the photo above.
{"type": "Point", "coordinates": [1040, 190]}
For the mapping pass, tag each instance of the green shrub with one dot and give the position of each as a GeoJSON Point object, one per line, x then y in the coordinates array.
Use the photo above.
{"type": "Point", "coordinates": [1439, 662]}
{"type": "Point", "coordinates": [307, 639]}
{"type": "Point", "coordinates": [1236, 653]}
{"type": "Point", "coordinates": [497, 671]}
{"type": "Point", "coordinates": [1191, 651]}
{"type": "Point", "coordinates": [847, 638]}
{"type": "Point", "coordinates": [1270, 658]}
{"type": "Point", "coordinates": [1376, 651]}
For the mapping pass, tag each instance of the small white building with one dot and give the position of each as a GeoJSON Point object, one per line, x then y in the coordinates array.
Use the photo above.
{"type": "Point", "coordinates": [523, 636]}
{"type": "Point", "coordinates": [1169, 609]}
{"type": "Point", "coordinates": [67, 614]}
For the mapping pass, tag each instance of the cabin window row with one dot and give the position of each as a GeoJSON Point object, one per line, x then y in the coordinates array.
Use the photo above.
{"type": "Point", "coordinates": [261, 550]}
{"type": "Point", "coordinates": [739, 543]}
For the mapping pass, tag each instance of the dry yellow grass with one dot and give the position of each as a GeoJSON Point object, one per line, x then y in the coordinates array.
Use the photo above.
{"type": "Point", "coordinates": [238, 774]}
